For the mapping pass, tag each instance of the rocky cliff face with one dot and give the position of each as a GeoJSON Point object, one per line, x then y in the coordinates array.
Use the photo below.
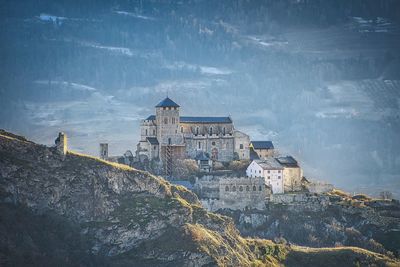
{"type": "Point", "coordinates": [78, 210]}
{"type": "Point", "coordinates": [367, 223]}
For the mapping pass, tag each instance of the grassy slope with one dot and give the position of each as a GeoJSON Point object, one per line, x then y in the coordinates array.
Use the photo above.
{"type": "Point", "coordinates": [210, 238]}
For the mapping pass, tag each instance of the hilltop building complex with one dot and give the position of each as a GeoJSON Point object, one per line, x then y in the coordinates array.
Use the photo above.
{"type": "Point", "coordinates": [167, 135]}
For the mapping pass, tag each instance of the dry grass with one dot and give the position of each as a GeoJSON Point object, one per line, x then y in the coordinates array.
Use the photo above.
{"type": "Point", "coordinates": [113, 164]}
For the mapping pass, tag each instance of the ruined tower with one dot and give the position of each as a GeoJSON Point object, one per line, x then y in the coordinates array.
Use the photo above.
{"type": "Point", "coordinates": [61, 143]}
{"type": "Point", "coordinates": [104, 151]}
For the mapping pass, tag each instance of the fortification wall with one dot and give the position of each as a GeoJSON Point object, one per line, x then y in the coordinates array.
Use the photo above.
{"type": "Point", "coordinates": [300, 201]}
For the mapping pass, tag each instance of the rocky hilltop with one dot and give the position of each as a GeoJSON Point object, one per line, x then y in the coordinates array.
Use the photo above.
{"type": "Point", "coordinates": [339, 220]}
{"type": "Point", "coordinates": [76, 210]}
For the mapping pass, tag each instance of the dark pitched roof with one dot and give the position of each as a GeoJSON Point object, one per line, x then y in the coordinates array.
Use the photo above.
{"type": "Point", "coordinates": [167, 102]}
{"type": "Point", "coordinates": [262, 144]}
{"type": "Point", "coordinates": [152, 140]}
{"type": "Point", "coordinates": [287, 161]}
{"type": "Point", "coordinates": [151, 118]}
{"type": "Point", "coordinates": [205, 119]}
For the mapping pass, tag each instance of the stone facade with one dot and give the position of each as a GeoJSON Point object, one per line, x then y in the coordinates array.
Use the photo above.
{"type": "Point", "coordinates": [263, 149]}
{"type": "Point", "coordinates": [292, 178]}
{"type": "Point", "coordinates": [189, 136]}
{"type": "Point", "coordinates": [242, 143]}
{"type": "Point", "coordinates": [237, 193]}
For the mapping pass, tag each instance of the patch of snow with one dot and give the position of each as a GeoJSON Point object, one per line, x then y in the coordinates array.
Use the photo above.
{"type": "Point", "coordinates": [378, 25]}
{"type": "Point", "coordinates": [75, 86]}
{"type": "Point", "coordinates": [267, 41]}
{"type": "Point", "coordinates": [51, 18]}
{"type": "Point", "coordinates": [214, 71]}
{"type": "Point", "coordinates": [118, 50]}
{"type": "Point", "coordinates": [207, 70]}
{"type": "Point", "coordinates": [229, 28]}
{"type": "Point", "coordinates": [134, 15]}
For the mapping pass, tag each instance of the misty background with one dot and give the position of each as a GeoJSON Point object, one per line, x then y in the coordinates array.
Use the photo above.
{"type": "Point", "coordinates": [321, 79]}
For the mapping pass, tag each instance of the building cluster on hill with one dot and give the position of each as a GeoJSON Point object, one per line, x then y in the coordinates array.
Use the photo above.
{"type": "Point", "coordinates": [167, 138]}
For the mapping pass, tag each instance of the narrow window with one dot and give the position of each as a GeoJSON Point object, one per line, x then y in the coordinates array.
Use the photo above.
{"type": "Point", "coordinates": [254, 188]}
{"type": "Point", "coordinates": [146, 131]}
{"type": "Point", "coordinates": [165, 120]}
{"type": "Point", "coordinates": [234, 188]}
{"type": "Point", "coordinates": [154, 147]}
{"type": "Point", "coordinates": [259, 188]}
{"type": "Point", "coordinates": [173, 121]}
{"type": "Point", "coordinates": [241, 146]}
{"type": "Point", "coordinates": [197, 130]}
{"type": "Point", "coordinates": [181, 129]}
{"type": "Point", "coordinates": [154, 132]}
{"type": "Point", "coordinates": [241, 188]}
{"type": "Point", "coordinates": [211, 130]}
{"type": "Point", "coordinates": [223, 130]}
{"type": "Point", "coordinates": [169, 141]}
{"type": "Point", "coordinates": [199, 145]}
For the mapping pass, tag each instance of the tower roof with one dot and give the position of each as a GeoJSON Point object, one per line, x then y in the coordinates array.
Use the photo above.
{"type": "Point", "coordinates": [167, 102]}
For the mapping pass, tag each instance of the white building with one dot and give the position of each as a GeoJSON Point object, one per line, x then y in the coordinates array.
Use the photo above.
{"type": "Point", "coordinates": [270, 170]}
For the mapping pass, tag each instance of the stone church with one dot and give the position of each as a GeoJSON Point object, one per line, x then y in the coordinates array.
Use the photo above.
{"type": "Point", "coordinates": [167, 135]}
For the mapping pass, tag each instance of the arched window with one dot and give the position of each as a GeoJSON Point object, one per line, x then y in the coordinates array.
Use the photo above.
{"type": "Point", "coordinates": [234, 188]}
{"type": "Point", "coordinates": [254, 188]}
{"type": "Point", "coordinates": [223, 131]}
{"type": "Point", "coordinates": [173, 120]}
{"type": "Point", "coordinates": [165, 120]}
{"type": "Point", "coordinates": [227, 188]}
{"type": "Point", "coordinates": [259, 188]}
{"type": "Point", "coordinates": [199, 145]}
{"type": "Point", "coordinates": [211, 130]}
{"type": "Point", "coordinates": [247, 188]}
{"type": "Point", "coordinates": [241, 188]}
{"type": "Point", "coordinates": [197, 130]}
{"type": "Point", "coordinates": [146, 131]}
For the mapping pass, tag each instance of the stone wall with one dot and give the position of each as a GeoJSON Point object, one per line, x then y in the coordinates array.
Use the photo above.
{"type": "Point", "coordinates": [167, 120]}
{"type": "Point", "coordinates": [219, 146]}
{"type": "Point", "coordinates": [235, 193]}
{"type": "Point", "coordinates": [319, 187]}
{"type": "Point", "coordinates": [241, 144]}
{"type": "Point", "coordinates": [301, 201]}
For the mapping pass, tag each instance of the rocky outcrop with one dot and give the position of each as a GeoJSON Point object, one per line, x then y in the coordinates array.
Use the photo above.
{"type": "Point", "coordinates": [78, 210]}
{"type": "Point", "coordinates": [370, 224]}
